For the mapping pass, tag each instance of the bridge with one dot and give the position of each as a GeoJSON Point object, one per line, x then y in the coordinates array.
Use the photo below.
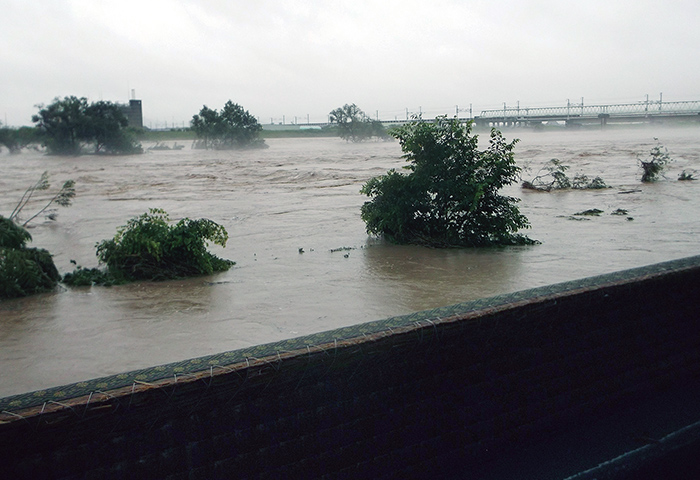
{"type": "Point", "coordinates": [571, 114]}
{"type": "Point", "coordinates": [580, 114]}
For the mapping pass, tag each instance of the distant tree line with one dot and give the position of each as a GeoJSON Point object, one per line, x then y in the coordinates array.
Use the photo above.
{"type": "Point", "coordinates": [15, 139]}
{"type": "Point", "coordinates": [72, 126]}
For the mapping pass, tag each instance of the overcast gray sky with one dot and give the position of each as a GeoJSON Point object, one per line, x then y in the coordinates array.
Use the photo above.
{"type": "Point", "coordinates": [305, 58]}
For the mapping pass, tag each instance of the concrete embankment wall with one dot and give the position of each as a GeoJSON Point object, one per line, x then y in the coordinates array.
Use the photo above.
{"type": "Point", "coordinates": [418, 396]}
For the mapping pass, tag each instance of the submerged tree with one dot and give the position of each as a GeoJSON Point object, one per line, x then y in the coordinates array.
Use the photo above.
{"type": "Point", "coordinates": [354, 125]}
{"type": "Point", "coordinates": [107, 129]}
{"type": "Point", "coordinates": [233, 127]}
{"type": "Point", "coordinates": [67, 126]}
{"type": "Point", "coordinates": [451, 195]}
{"type": "Point", "coordinates": [552, 176]}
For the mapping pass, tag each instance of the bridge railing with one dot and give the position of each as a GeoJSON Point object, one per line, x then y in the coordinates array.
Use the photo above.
{"type": "Point", "coordinates": [579, 110]}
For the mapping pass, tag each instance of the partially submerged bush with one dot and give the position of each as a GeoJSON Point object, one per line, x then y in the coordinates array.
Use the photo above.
{"type": "Point", "coordinates": [653, 167]}
{"type": "Point", "coordinates": [582, 181]}
{"type": "Point", "coordinates": [552, 176]}
{"type": "Point", "coordinates": [23, 271]}
{"type": "Point", "coordinates": [149, 248]}
{"type": "Point", "coordinates": [85, 277]}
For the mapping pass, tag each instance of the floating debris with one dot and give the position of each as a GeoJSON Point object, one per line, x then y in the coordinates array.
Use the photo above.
{"type": "Point", "coordinates": [591, 212]}
{"type": "Point", "coordinates": [342, 249]}
{"type": "Point", "coordinates": [578, 219]}
{"type": "Point", "coordinates": [686, 175]}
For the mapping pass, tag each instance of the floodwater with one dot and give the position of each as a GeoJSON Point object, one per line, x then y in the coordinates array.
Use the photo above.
{"type": "Point", "coordinates": [304, 194]}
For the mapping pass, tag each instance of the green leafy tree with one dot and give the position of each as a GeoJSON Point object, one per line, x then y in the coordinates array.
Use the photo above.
{"type": "Point", "coordinates": [23, 271]}
{"type": "Point", "coordinates": [207, 126]}
{"type": "Point", "coordinates": [68, 125]}
{"type": "Point", "coordinates": [107, 128]}
{"type": "Point", "coordinates": [354, 125]}
{"type": "Point", "coordinates": [233, 127]}
{"type": "Point", "coordinates": [450, 197]}
{"type": "Point", "coordinates": [149, 248]}
{"type": "Point", "coordinates": [63, 125]}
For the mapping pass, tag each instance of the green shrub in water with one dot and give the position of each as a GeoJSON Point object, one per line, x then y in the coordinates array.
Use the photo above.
{"type": "Point", "coordinates": [149, 248]}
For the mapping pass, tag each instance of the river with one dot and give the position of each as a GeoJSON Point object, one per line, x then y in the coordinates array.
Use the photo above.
{"type": "Point", "coordinates": [303, 193]}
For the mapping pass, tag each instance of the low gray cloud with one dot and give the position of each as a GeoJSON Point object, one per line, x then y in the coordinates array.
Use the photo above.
{"type": "Point", "coordinates": [301, 59]}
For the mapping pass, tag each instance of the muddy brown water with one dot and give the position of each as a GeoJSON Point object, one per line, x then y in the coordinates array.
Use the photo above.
{"type": "Point", "coordinates": [304, 194]}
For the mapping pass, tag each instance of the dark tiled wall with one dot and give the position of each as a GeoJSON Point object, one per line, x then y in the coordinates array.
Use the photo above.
{"type": "Point", "coordinates": [423, 403]}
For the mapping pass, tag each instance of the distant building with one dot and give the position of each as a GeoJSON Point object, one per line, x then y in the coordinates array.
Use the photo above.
{"type": "Point", "coordinates": [133, 113]}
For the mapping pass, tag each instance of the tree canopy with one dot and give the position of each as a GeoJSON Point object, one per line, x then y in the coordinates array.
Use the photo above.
{"type": "Point", "coordinates": [451, 195]}
{"type": "Point", "coordinates": [233, 127]}
{"type": "Point", "coordinates": [69, 125]}
{"type": "Point", "coordinates": [354, 125]}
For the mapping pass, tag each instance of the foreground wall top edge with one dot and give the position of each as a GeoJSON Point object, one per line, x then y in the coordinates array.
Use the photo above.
{"type": "Point", "coordinates": [188, 367]}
